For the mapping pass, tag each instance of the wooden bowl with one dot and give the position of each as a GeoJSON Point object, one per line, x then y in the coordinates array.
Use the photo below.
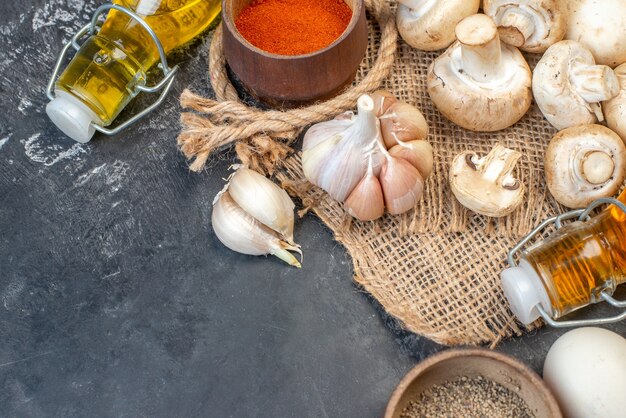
{"type": "Point", "coordinates": [294, 80]}
{"type": "Point", "coordinates": [452, 364]}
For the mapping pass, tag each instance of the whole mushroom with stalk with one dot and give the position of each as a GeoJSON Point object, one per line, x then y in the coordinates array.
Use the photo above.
{"type": "Point", "coordinates": [428, 25]}
{"type": "Point", "coordinates": [600, 25]}
{"type": "Point", "coordinates": [480, 83]}
{"type": "Point", "coordinates": [569, 87]}
{"type": "Point", "coordinates": [615, 109]}
{"type": "Point", "coordinates": [374, 161]}
{"type": "Point", "coordinates": [530, 25]}
{"type": "Point", "coordinates": [254, 216]}
{"type": "Point", "coordinates": [486, 185]}
{"type": "Point", "coordinates": [584, 163]}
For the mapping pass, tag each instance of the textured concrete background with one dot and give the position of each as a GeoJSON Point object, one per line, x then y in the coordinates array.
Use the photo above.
{"type": "Point", "coordinates": [116, 299]}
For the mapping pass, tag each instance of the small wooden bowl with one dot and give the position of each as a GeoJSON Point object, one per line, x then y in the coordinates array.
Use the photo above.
{"type": "Point", "coordinates": [452, 364]}
{"type": "Point", "coordinates": [290, 81]}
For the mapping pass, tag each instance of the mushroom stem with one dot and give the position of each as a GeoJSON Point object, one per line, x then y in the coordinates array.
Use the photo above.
{"type": "Point", "coordinates": [597, 167]}
{"type": "Point", "coordinates": [418, 5]}
{"type": "Point", "coordinates": [498, 165]}
{"type": "Point", "coordinates": [516, 27]}
{"type": "Point", "coordinates": [594, 83]}
{"type": "Point", "coordinates": [481, 53]}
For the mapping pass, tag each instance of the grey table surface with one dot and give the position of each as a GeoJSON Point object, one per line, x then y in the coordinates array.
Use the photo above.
{"type": "Point", "coordinates": [116, 299]}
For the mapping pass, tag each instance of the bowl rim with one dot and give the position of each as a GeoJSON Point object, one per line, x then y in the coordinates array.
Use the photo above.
{"type": "Point", "coordinates": [443, 356]}
{"type": "Point", "coordinates": [229, 21]}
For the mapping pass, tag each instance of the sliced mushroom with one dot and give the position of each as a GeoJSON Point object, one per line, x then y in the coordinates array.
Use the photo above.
{"type": "Point", "coordinates": [429, 24]}
{"type": "Point", "coordinates": [486, 185]}
{"type": "Point", "coordinates": [480, 83]}
{"type": "Point", "coordinates": [569, 87]}
{"type": "Point", "coordinates": [615, 109]}
{"type": "Point", "coordinates": [600, 25]}
{"type": "Point", "coordinates": [531, 25]}
{"type": "Point", "coordinates": [584, 163]}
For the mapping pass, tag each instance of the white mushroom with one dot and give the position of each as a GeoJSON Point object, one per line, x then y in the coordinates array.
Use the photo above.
{"type": "Point", "coordinates": [615, 109]}
{"type": "Point", "coordinates": [531, 25]}
{"type": "Point", "coordinates": [600, 25]}
{"type": "Point", "coordinates": [569, 87]}
{"type": "Point", "coordinates": [584, 163]}
{"type": "Point", "coordinates": [480, 83]}
{"type": "Point", "coordinates": [486, 185]}
{"type": "Point", "coordinates": [429, 24]}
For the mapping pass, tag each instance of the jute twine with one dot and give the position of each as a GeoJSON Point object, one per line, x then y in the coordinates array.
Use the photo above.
{"type": "Point", "coordinates": [435, 268]}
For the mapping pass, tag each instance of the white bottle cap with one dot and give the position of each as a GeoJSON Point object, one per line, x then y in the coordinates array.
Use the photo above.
{"type": "Point", "coordinates": [524, 290]}
{"type": "Point", "coordinates": [72, 116]}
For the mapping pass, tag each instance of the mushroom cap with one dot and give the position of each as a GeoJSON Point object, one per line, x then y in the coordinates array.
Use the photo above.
{"type": "Point", "coordinates": [615, 109]}
{"type": "Point", "coordinates": [494, 197]}
{"type": "Point", "coordinates": [475, 105]}
{"type": "Point", "coordinates": [584, 163]}
{"type": "Point", "coordinates": [549, 19]}
{"type": "Point", "coordinates": [556, 97]}
{"type": "Point", "coordinates": [600, 25]}
{"type": "Point", "coordinates": [431, 27]}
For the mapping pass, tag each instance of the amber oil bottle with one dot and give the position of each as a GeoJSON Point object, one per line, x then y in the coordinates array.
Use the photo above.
{"type": "Point", "coordinates": [570, 268]}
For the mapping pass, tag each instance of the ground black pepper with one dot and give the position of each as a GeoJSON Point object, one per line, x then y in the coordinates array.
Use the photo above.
{"type": "Point", "coordinates": [475, 397]}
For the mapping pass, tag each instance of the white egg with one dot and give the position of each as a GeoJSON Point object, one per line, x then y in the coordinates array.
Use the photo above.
{"type": "Point", "coordinates": [586, 370]}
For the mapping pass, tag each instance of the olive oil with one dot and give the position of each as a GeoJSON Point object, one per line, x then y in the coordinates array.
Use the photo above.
{"type": "Point", "coordinates": [109, 66]}
{"type": "Point", "coordinates": [574, 265]}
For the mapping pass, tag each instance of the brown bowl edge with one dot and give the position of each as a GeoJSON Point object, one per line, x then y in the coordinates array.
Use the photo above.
{"type": "Point", "coordinates": [428, 363]}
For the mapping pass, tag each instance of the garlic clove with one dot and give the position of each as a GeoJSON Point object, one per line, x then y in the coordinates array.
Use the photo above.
{"type": "Point", "coordinates": [366, 202]}
{"type": "Point", "coordinates": [263, 200]}
{"type": "Point", "coordinates": [418, 153]}
{"type": "Point", "coordinates": [240, 232]}
{"type": "Point", "coordinates": [402, 185]}
{"type": "Point", "coordinates": [382, 100]}
{"type": "Point", "coordinates": [402, 122]}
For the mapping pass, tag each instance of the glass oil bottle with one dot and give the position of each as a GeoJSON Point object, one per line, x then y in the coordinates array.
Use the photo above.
{"type": "Point", "coordinates": [107, 69]}
{"type": "Point", "coordinates": [580, 264]}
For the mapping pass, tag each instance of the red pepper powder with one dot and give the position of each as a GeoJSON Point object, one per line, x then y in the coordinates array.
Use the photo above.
{"type": "Point", "coordinates": [293, 27]}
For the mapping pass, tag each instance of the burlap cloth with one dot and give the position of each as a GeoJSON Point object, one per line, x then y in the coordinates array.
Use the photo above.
{"type": "Point", "coordinates": [435, 268]}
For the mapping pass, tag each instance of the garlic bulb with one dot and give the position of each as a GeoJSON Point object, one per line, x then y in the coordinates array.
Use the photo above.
{"type": "Point", "coordinates": [329, 149]}
{"type": "Point", "coordinates": [375, 159]}
{"type": "Point", "coordinates": [254, 216]}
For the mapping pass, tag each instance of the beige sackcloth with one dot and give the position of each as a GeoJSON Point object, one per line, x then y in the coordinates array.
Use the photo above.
{"type": "Point", "coordinates": [436, 269]}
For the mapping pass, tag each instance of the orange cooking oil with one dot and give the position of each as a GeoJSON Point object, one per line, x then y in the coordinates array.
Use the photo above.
{"type": "Point", "coordinates": [581, 260]}
{"type": "Point", "coordinates": [108, 67]}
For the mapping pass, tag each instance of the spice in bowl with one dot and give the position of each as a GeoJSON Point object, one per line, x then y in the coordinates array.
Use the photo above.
{"type": "Point", "coordinates": [293, 27]}
{"type": "Point", "coordinates": [470, 397]}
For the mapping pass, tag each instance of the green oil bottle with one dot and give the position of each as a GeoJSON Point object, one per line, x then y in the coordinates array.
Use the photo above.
{"type": "Point", "coordinates": [106, 71]}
